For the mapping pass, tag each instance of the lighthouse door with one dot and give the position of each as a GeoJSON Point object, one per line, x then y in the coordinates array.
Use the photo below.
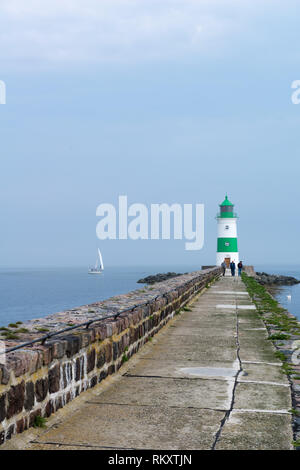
{"type": "Point", "coordinates": [227, 261]}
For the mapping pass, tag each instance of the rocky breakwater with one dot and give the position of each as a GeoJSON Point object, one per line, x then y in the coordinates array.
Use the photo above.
{"type": "Point", "coordinates": [40, 378]}
{"type": "Point", "coordinates": [271, 280]}
{"type": "Point", "coordinates": [153, 278]}
{"type": "Point", "coordinates": [275, 279]}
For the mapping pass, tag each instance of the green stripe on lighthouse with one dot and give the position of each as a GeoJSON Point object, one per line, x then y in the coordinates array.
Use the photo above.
{"type": "Point", "coordinates": [227, 215]}
{"type": "Point", "coordinates": [227, 245]}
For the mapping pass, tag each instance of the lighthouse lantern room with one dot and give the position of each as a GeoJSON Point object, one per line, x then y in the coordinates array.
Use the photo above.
{"type": "Point", "coordinates": [227, 248]}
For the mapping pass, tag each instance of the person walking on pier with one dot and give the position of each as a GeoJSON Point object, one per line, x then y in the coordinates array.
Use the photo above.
{"type": "Point", "coordinates": [240, 267]}
{"type": "Point", "coordinates": [223, 266]}
{"type": "Point", "coordinates": [232, 267]}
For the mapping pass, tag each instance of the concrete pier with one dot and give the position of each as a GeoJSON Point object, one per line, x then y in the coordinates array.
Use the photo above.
{"type": "Point", "coordinates": [208, 380]}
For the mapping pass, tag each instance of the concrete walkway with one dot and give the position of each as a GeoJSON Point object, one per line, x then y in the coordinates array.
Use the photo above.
{"type": "Point", "coordinates": [208, 380]}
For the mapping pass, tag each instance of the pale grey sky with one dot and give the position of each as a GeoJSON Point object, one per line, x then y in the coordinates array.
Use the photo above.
{"type": "Point", "coordinates": [173, 101]}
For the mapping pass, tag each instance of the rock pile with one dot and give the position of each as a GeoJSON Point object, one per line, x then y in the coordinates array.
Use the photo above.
{"type": "Point", "coordinates": [273, 279]}
{"type": "Point", "coordinates": [157, 278]}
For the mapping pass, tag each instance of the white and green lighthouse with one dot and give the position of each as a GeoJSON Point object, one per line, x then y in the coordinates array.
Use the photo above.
{"type": "Point", "coordinates": [227, 248]}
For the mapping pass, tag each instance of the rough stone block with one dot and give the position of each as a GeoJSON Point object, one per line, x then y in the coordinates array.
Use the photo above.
{"type": "Point", "coordinates": [87, 337]}
{"type": "Point", "coordinates": [41, 389]}
{"type": "Point", "coordinates": [45, 354]}
{"type": "Point", "coordinates": [73, 345]}
{"type": "Point", "coordinates": [126, 320]}
{"type": "Point", "coordinates": [49, 409]}
{"type": "Point", "coordinates": [93, 381]}
{"type": "Point", "coordinates": [115, 350]}
{"type": "Point", "coordinates": [59, 348]}
{"type": "Point", "coordinates": [18, 363]}
{"type": "Point", "coordinates": [146, 311]}
{"type": "Point", "coordinates": [135, 317]}
{"type": "Point", "coordinates": [108, 329]}
{"type": "Point", "coordinates": [10, 431]}
{"type": "Point", "coordinates": [103, 375]}
{"type": "Point", "coordinates": [91, 359]}
{"type": "Point", "coordinates": [108, 352]}
{"type": "Point", "coordinates": [15, 395]}
{"type": "Point", "coordinates": [54, 379]}
{"type": "Point", "coordinates": [58, 403]}
{"type": "Point", "coordinates": [20, 425]}
{"type": "Point", "coordinates": [101, 331]}
{"type": "Point", "coordinates": [2, 407]}
{"type": "Point", "coordinates": [68, 397]}
{"type": "Point", "coordinates": [4, 374]}
{"type": "Point", "coordinates": [101, 358]}
{"type": "Point", "coordinates": [114, 327]}
{"type": "Point", "coordinates": [29, 396]}
{"type": "Point", "coordinates": [79, 368]}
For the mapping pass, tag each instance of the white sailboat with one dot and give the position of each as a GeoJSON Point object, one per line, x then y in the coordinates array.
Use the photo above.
{"type": "Point", "coordinates": [99, 266]}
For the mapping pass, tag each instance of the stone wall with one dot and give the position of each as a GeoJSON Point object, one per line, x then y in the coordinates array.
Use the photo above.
{"type": "Point", "coordinates": [39, 379]}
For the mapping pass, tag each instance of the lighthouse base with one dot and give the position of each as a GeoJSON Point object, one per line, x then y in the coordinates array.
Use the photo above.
{"type": "Point", "coordinates": [228, 257]}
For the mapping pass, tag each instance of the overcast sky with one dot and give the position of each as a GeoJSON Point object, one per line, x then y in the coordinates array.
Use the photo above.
{"type": "Point", "coordinates": [175, 101]}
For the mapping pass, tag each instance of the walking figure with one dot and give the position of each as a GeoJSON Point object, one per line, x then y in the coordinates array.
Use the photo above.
{"type": "Point", "coordinates": [240, 267]}
{"type": "Point", "coordinates": [232, 267]}
{"type": "Point", "coordinates": [223, 265]}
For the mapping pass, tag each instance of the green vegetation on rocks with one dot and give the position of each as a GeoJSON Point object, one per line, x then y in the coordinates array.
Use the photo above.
{"type": "Point", "coordinates": [281, 326]}
{"type": "Point", "coordinates": [39, 422]}
{"type": "Point", "coordinates": [280, 336]}
{"type": "Point", "coordinates": [274, 316]}
{"type": "Point", "coordinates": [10, 335]}
{"type": "Point", "coordinates": [125, 358]}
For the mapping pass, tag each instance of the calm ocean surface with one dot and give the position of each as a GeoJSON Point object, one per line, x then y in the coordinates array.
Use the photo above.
{"type": "Point", "coordinates": [26, 294]}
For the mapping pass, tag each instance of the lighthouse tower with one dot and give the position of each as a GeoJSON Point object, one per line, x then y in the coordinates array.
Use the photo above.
{"type": "Point", "coordinates": [227, 248]}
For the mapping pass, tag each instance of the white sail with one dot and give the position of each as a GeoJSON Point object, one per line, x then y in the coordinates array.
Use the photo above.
{"type": "Point", "coordinates": [99, 266]}
{"type": "Point", "coordinates": [101, 260]}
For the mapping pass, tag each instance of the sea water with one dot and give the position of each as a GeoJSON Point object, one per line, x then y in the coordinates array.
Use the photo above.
{"type": "Point", "coordinates": [29, 293]}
